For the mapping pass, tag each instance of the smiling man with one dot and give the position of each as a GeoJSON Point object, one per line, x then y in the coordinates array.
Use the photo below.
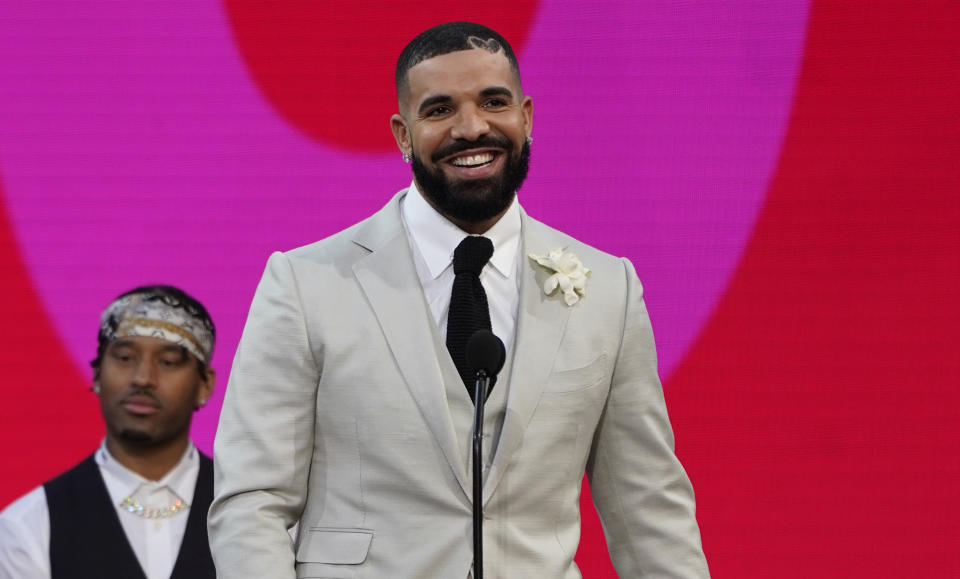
{"type": "Point", "coordinates": [349, 410]}
{"type": "Point", "coordinates": [465, 125]}
{"type": "Point", "coordinates": [137, 506]}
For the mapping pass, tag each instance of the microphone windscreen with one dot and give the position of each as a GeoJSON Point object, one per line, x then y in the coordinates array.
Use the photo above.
{"type": "Point", "coordinates": [485, 352]}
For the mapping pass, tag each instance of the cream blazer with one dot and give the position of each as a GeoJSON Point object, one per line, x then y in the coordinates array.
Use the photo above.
{"type": "Point", "coordinates": [336, 419]}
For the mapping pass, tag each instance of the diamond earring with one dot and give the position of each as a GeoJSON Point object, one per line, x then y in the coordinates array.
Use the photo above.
{"type": "Point", "coordinates": [406, 158]}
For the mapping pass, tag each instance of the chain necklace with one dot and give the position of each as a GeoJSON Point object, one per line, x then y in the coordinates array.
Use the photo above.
{"type": "Point", "coordinates": [132, 505]}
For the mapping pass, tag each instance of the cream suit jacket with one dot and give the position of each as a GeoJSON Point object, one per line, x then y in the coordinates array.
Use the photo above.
{"type": "Point", "coordinates": [336, 419]}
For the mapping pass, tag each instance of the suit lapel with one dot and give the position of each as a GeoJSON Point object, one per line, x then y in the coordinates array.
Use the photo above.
{"type": "Point", "coordinates": [389, 280]}
{"type": "Point", "coordinates": [540, 325]}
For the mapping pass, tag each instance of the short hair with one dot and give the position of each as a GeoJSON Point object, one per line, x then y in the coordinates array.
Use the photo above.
{"type": "Point", "coordinates": [451, 37]}
{"type": "Point", "coordinates": [173, 296]}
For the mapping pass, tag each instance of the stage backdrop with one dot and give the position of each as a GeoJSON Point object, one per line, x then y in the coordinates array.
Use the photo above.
{"type": "Point", "coordinates": [784, 175]}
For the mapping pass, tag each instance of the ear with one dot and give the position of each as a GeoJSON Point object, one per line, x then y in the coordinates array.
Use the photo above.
{"type": "Point", "coordinates": [526, 109]}
{"type": "Point", "coordinates": [207, 381]}
{"type": "Point", "coordinates": [401, 134]}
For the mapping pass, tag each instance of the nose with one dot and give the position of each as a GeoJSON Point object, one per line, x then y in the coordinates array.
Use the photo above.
{"type": "Point", "coordinates": [469, 124]}
{"type": "Point", "coordinates": [144, 374]}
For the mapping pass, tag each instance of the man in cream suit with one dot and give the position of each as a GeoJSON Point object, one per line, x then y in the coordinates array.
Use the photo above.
{"type": "Point", "coordinates": [347, 417]}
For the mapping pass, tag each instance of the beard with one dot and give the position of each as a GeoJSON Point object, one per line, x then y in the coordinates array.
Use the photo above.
{"type": "Point", "coordinates": [168, 424]}
{"type": "Point", "coordinates": [473, 200]}
{"type": "Point", "coordinates": [136, 437]}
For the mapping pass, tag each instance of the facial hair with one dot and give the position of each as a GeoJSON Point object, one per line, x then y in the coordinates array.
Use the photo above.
{"type": "Point", "coordinates": [136, 437]}
{"type": "Point", "coordinates": [473, 200]}
{"type": "Point", "coordinates": [164, 429]}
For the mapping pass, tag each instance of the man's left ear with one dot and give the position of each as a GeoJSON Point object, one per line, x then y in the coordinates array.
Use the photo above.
{"type": "Point", "coordinates": [526, 108]}
{"type": "Point", "coordinates": [207, 382]}
{"type": "Point", "coordinates": [401, 134]}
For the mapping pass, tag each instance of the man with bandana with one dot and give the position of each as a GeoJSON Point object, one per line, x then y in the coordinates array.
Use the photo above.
{"type": "Point", "coordinates": [137, 507]}
{"type": "Point", "coordinates": [349, 411]}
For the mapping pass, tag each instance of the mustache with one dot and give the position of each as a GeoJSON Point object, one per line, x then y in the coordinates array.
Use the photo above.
{"type": "Point", "coordinates": [142, 392]}
{"type": "Point", "coordinates": [461, 146]}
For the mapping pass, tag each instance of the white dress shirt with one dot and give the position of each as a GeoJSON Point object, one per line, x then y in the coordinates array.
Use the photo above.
{"type": "Point", "coordinates": [433, 238]}
{"type": "Point", "coordinates": [25, 524]}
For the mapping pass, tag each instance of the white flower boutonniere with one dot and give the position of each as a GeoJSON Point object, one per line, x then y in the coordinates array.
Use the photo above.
{"type": "Point", "coordinates": [569, 274]}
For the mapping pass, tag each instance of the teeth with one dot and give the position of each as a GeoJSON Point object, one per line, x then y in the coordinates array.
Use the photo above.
{"type": "Point", "coordinates": [473, 160]}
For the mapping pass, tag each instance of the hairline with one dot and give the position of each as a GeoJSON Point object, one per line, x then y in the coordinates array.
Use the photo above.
{"type": "Point", "coordinates": [446, 38]}
{"type": "Point", "coordinates": [403, 89]}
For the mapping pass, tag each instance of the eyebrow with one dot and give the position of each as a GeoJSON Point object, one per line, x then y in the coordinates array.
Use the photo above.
{"type": "Point", "coordinates": [442, 98]}
{"type": "Point", "coordinates": [497, 91]}
{"type": "Point", "coordinates": [434, 100]}
{"type": "Point", "coordinates": [174, 348]}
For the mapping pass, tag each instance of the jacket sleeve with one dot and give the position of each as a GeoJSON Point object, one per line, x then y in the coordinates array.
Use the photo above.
{"type": "Point", "coordinates": [641, 491]}
{"type": "Point", "coordinates": [264, 442]}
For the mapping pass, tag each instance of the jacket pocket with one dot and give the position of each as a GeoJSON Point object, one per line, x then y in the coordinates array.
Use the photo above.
{"type": "Point", "coordinates": [335, 546]}
{"type": "Point", "coordinates": [575, 379]}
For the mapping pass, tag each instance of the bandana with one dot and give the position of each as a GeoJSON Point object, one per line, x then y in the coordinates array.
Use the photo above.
{"type": "Point", "coordinates": [154, 315]}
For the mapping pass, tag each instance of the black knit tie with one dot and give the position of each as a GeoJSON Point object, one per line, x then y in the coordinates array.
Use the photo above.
{"type": "Point", "coordinates": [469, 311]}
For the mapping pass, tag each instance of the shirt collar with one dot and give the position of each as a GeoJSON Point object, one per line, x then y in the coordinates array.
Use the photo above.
{"type": "Point", "coordinates": [436, 237]}
{"type": "Point", "coordinates": [178, 480]}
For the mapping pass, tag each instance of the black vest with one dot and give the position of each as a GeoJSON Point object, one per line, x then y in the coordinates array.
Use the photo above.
{"type": "Point", "coordinates": [88, 542]}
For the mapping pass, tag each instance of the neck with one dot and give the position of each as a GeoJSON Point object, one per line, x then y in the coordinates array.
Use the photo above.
{"type": "Point", "coordinates": [152, 462]}
{"type": "Point", "coordinates": [477, 227]}
{"type": "Point", "coordinates": [471, 227]}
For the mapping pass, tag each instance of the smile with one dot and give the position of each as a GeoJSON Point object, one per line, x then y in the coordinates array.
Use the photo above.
{"type": "Point", "coordinates": [477, 160]}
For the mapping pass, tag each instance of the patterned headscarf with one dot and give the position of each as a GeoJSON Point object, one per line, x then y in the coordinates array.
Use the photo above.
{"type": "Point", "coordinates": [157, 314]}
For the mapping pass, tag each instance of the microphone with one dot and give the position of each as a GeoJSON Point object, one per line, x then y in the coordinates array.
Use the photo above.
{"type": "Point", "coordinates": [485, 352]}
{"type": "Point", "coordinates": [485, 356]}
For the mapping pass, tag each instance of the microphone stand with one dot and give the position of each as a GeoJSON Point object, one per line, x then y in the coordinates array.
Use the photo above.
{"type": "Point", "coordinates": [479, 397]}
{"type": "Point", "coordinates": [484, 352]}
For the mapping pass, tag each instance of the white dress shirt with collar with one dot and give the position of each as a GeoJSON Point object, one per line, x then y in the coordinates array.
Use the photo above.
{"type": "Point", "coordinates": [25, 524]}
{"type": "Point", "coordinates": [433, 238]}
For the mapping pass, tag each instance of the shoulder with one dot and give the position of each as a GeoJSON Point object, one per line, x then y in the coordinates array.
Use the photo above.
{"type": "Point", "coordinates": [535, 229]}
{"type": "Point", "coordinates": [25, 518]}
{"type": "Point", "coordinates": [605, 268]}
{"type": "Point", "coordinates": [327, 262]}
{"type": "Point", "coordinates": [65, 480]}
{"type": "Point", "coordinates": [25, 536]}
{"type": "Point", "coordinates": [355, 241]}
{"type": "Point", "coordinates": [25, 509]}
